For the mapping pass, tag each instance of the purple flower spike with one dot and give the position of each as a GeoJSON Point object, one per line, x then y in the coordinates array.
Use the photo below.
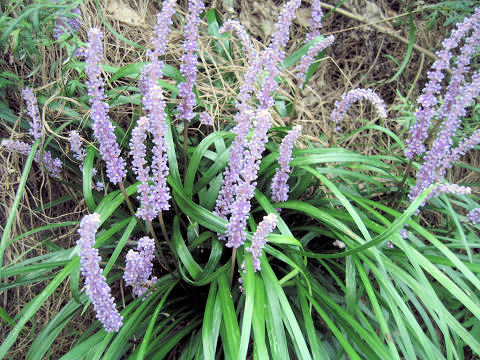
{"type": "Point", "coordinates": [282, 30]}
{"type": "Point", "coordinates": [279, 183]}
{"type": "Point", "coordinates": [32, 109]}
{"type": "Point", "coordinates": [188, 67]}
{"type": "Point", "coordinates": [259, 240]}
{"type": "Point", "coordinates": [308, 58]}
{"type": "Point", "coordinates": [247, 181]}
{"type": "Point", "coordinates": [153, 71]}
{"type": "Point", "coordinates": [158, 128]}
{"type": "Point", "coordinates": [138, 151]}
{"type": "Point", "coordinates": [341, 107]}
{"type": "Point", "coordinates": [54, 166]}
{"type": "Point", "coordinates": [315, 20]}
{"type": "Point", "coordinates": [138, 267]}
{"type": "Point", "coordinates": [102, 126]}
{"type": "Point", "coordinates": [96, 285]}
{"type": "Point", "coordinates": [474, 216]}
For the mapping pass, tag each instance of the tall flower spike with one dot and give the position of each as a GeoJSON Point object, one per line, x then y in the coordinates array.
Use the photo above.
{"type": "Point", "coordinates": [428, 99]}
{"type": "Point", "coordinates": [138, 151]}
{"type": "Point", "coordinates": [153, 71]}
{"type": "Point", "coordinates": [315, 20]}
{"type": "Point", "coordinates": [308, 58]}
{"type": "Point", "coordinates": [138, 266]}
{"type": "Point", "coordinates": [259, 239]}
{"type": "Point", "coordinates": [158, 128]}
{"type": "Point", "coordinates": [102, 126]}
{"type": "Point", "coordinates": [342, 106]}
{"type": "Point", "coordinates": [54, 166]}
{"type": "Point", "coordinates": [188, 67]}
{"type": "Point", "coordinates": [279, 182]}
{"type": "Point", "coordinates": [96, 285]}
{"type": "Point", "coordinates": [32, 109]}
{"type": "Point", "coordinates": [474, 216]}
{"type": "Point", "coordinates": [247, 181]}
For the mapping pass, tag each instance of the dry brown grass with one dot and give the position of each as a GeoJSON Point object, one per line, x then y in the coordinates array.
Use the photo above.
{"type": "Point", "coordinates": [356, 59]}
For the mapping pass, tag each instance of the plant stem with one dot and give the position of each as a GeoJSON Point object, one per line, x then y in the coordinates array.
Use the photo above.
{"type": "Point", "coordinates": [161, 256]}
{"type": "Point", "coordinates": [234, 255]}
{"type": "Point", "coordinates": [125, 195]}
{"type": "Point", "coordinates": [185, 145]}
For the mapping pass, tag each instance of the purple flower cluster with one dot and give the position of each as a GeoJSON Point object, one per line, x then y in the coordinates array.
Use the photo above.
{"type": "Point", "coordinates": [32, 109]}
{"type": "Point", "coordinates": [240, 176]}
{"type": "Point", "coordinates": [68, 25]}
{"type": "Point", "coordinates": [247, 181]}
{"type": "Point", "coordinates": [441, 156]}
{"type": "Point", "coordinates": [138, 152]}
{"type": "Point", "coordinates": [188, 67]}
{"type": "Point", "coordinates": [54, 166]}
{"type": "Point", "coordinates": [342, 106]}
{"type": "Point", "coordinates": [102, 126]}
{"type": "Point", "coordinates": [428, 100]}
{"type": "Point", "coordinates": [138, 267]}
{"type": "Point", "coordinates": [308, 58]}
{"type": "Point", "coordinates": [474, 216]}
{"type": "Point", "coordinates": [315, 20]}
{"type": "Point", "coordinates": [279, 182]}
{"type": "Point", "coordinates": [259, 239]}
{"type": "Point", "coordinates": [96, 285]}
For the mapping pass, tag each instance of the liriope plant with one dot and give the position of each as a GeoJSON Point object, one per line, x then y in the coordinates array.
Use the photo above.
{"type": "Point", "coordinates": [240, 245]}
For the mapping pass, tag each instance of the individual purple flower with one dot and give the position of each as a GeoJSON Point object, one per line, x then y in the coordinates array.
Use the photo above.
{"type": "Point", "coordinates": [247, 181]}
{"type": "Point", "coordinates": [428, 100]}
{"type": "Point", "coordinates": [96, 285]}
{"type": "Point", "coordinates": [474, 216]}
{"type": "Point", "coordinates": [54, 166]}
{"type": "Point", "coordinates": [259, 239]}
{"type": "Point", "coordinates": [158, 128]}
{"type": "Point", "coordinates": [188, 67]}
{"type": "Point", "coordinates": [206, 119]}
{"type": "Point", "coordinates": [138, 151]}
{"type": "Point", "coordinates": [138, 266]}
{"type": "Point", "coordinates": [279, 182]}
{"type": "Point", "coordinates": [102, 126]}
{"type": "Point", "coordinates": [315, 20]}
{"type": "Point", "coordinates": [308, 58]}
{"type": "Point", "coordinates": [342, 106]}
{"type": "Point", "coordinates": [235, 26]}
{"type": "Point", "coordinates": [68, 24]}
{"type": "Point", "coordinates": [32, 109]}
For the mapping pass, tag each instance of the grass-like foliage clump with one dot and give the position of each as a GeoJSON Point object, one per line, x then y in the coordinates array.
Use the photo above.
{"type": "Point", "coordinates": [210, 225]}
